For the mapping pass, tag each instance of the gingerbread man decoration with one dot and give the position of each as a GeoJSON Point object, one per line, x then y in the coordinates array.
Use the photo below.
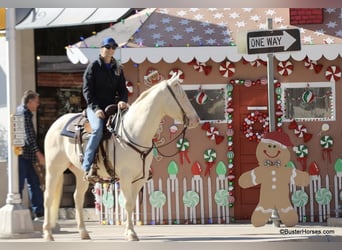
{"type": "Point", "coordinates": [274, 178]}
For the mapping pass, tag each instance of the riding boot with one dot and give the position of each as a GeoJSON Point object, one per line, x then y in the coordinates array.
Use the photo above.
{"type": "Point", "coordinates": [91, 175]}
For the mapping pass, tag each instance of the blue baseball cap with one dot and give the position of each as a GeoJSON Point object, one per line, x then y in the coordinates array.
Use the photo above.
{"type": "Point", "coordinates": [109, 41]}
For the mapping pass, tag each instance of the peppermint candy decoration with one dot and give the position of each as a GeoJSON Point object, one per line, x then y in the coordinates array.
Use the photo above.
{"type": "Point", "coordinates": [326, 141]}
{"type": "Point", "coordinates": [308, 63]}
{"type": "Point", "coordinates": [300, 131]}
{"type": "Point", "coordinates": [210, 155]}
{"type": "Point", "coordinates": [129, 86]}
{"type": "Point", "coordinates": [323, 196]}
{"type": "Point", "coordinates": [221, 197]}
{"type": "Point", "coordinates": [333, 73]}
{"type": "Point", "coordinates": [212, 132]}
{"type": "Point", "coordinates": [176, 70]}
{"type": "Point", "coordinates": [202, 98]}
{"type": "Point", "coordinates": [183, 145]}
{"type": "Point", "coordinates": [301, 151]}
{"type": "Point", "coordinates": [257, 63]}
{"type": "Point", "coordinates": [157, 199]}
{"type": "Point", "coordinates": [191, 199]}
{"type": "Point", "coordinates": [299, 198]}
{"type": "Point", "coordinates": [227, 69]}
{"type": "Point", "coordinates": [285, 68]}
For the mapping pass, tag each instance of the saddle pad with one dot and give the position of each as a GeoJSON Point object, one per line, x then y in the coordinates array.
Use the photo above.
{"type": "Point", "coordinates": [69, 129]}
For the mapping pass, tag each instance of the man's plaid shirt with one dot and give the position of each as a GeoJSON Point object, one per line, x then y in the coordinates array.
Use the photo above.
{"type": "Point", "coordinates": [31, 145]}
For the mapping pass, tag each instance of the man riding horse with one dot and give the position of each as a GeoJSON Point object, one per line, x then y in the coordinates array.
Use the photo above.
{"type": "Point", "coordinates": [104, 83]}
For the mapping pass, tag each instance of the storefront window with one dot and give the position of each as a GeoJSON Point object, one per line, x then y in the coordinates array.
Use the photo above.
{"type": "Point", "coordinates": [209, 101]}
{"type": "Point", "coordinates": [313, 101]}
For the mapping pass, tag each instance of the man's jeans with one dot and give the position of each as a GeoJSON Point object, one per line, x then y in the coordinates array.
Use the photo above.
{"type": "Point", "coordinates": [26, 171]}
{"type": "Point", "coordinates": [94, 139]}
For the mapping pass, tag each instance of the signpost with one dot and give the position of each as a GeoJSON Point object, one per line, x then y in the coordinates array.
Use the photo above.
{"type": "Point", "coordinates": [271, 41]}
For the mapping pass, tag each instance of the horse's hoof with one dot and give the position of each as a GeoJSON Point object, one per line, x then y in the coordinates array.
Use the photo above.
{"type": "Point", "coordinates": [48, 237]}
{"type": "Point", "coordinates": [85, 236]}
{"type": "Point", "coordinates": [132, 238]}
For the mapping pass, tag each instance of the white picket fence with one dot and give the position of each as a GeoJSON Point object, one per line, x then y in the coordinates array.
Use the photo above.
{"type": "Point", "coordinates": [161, 203]}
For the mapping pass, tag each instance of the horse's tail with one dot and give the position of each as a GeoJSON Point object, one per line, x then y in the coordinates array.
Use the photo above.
{"type": "Point", "coordinates": [56, 201]}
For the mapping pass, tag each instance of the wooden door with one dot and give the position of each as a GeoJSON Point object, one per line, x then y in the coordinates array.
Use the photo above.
{"type": "Point", "coordinates": [246, 100]}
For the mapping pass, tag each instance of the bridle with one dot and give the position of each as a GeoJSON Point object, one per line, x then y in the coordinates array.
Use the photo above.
{"type": "Point", "coordinates": [147, 149]}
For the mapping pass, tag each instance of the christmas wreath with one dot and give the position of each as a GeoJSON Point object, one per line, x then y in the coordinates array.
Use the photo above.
{"type": "Point", "coordinates": [255, 125]}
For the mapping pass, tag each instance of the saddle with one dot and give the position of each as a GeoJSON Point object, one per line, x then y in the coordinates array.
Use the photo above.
{"type": "Point", "coordinates": [78, 128]}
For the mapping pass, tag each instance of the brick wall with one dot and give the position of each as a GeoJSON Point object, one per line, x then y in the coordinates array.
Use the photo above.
{"type": "Point", "coordinates": [47, 79]}
{"type": "Point", "coordinates": [306, 16]}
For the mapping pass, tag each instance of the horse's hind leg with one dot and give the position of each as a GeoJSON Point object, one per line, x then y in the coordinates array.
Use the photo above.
{"type": "Point", "coordinates": [81, 188]}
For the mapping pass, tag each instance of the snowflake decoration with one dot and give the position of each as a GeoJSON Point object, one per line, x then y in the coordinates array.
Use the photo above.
{"type": "Point", "coordinates": [212, 9]}
{"type": "Point", "coordinates": [226, 33]}
{"type": "Point", "coordinates": [278, 19]}
{"type": "Point", "coordinates": [160, 43]}
{"type": "Point", "coordinates": [227, 40]}
{"type": "Point", "coordinates": [205, 24]}
{"type": "Point", "coordinates": [262, 26]}
{"type": "Point", "coordinates": [194, 9]}
{"type": "Point", "coordinates": [223, 24]}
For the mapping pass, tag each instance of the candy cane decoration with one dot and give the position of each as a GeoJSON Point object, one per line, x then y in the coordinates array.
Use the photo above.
{"type": "Point", "coordinates": [227, 69]}
{"type": "Point", "coordinates": [176, 70]}
{"type": "Point", "coordinates": [285, 68]}
{"type": "Point", "coordinates": [333, 73]}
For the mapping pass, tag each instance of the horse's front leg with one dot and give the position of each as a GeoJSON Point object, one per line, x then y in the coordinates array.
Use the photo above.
{"type": "Point", "coordinates": [81, 188]}
{"type": "Point", "coordinates": [130, 192]}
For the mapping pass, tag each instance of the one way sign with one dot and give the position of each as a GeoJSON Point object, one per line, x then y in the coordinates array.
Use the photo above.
{"type": "Point", "coordinates": [270, 41]}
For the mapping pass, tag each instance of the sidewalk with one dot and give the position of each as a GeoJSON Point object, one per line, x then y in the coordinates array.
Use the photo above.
{"type": "Point", "coordinates": [192, 233]}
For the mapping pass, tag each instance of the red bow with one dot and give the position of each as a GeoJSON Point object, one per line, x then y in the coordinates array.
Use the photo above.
{"type": "Point", "coordinates": [218, 138]}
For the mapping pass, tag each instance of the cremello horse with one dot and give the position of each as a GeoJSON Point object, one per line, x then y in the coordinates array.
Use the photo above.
{"type": "Point", "coordinates": [136, 131]}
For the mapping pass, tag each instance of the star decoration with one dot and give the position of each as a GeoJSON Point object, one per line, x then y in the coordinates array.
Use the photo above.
{"type": "Point", "coordinates": [196, 39]}
{"type": "Point", "coordinates": [331, 24]}
{"type": "Point", "coordinates": [226, 40]}
{"type": "Point", "coordinates": [270, 12]}
{"type": "Point", "coordinates": [240, 24]}
{"type": "Point", "coordinates": [189, 30]}
{"type": "Point", "coordinates": [166, 20]}
{"type": "Point", "coordinates": [161, 43]}
{"type": "Point", "coordinates": [329, 40]}
{"type": "Point", "coordinates": [184, 22]}
{"type": "Point", "coordinates": [338, 33]}
{"type": "Point", "coordinates": [278, 19]}
{"type": "Point", "coordinates": [218, 15]}
{"type": "Point", "coordinates": [198, 17]}
{"type": "Point", "coordinates": [307, 39]}
{"type": "Point", "coordinates": [170, 29]}
{"type": "Point", "coordinates": [209, 31]}
{"type": "Point", "coordinates": [255, 18]}
{"type": "Point", "coordinates": [181, 13]}
{"type": "Point", "coordinates": [330, 10]}
{"type": "Point", "coordinates": [211, 41]}
{"type": "Point", "coordinates": [319, 32]}
{"type": "Point", "coordinates": [152, 26]}
{"type": "Point", "coordinates": [226, 33]}
{"type": "Point", "coordinates": [234, 15]}
{"type": "Point", "coordinates": [177, 37]}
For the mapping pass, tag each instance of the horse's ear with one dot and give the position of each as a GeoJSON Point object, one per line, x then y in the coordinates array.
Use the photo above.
{"type": "Point", "coordinates": [174, 78]}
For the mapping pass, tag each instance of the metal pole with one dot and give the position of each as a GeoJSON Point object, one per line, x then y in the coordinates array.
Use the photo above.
{"type": "Point", "coordinates": [271, 113]}
{"type": "Point", "coordinates": [15, 220]}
